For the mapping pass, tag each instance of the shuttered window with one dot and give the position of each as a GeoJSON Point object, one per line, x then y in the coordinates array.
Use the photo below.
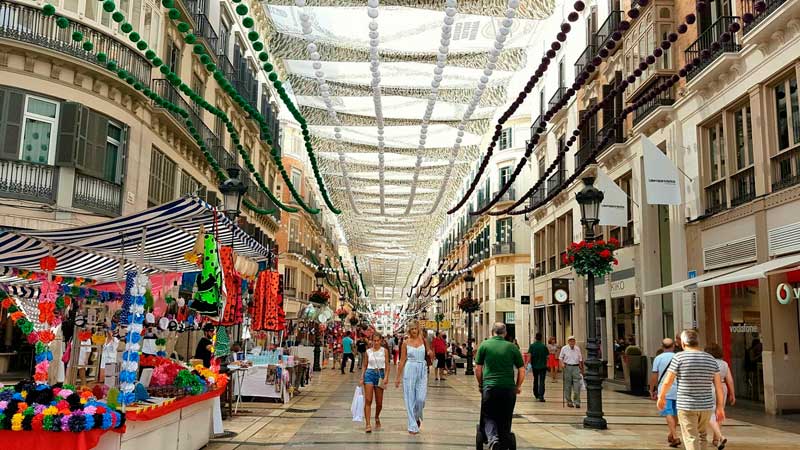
{"type": "Point", "coordinates": [191, 186]}
{"type": "Point", "coordinates": [163, 172]}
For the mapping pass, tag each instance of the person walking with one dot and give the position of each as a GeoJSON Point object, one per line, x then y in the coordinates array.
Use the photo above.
{"type": "Point", "coordinates": [719, 441]}
{"type": "Point", "coordinates": [361, 347]}
{"type": "Point", "coordinates": [347, 352]}
{"type": "Point", "coordinates": [374, 378]}
{"type": "Point", "coordinates": [391, 344]}
{"type": "Point", "coordinates": [440, 350]}
{"type": "Point", "coordinates": [571, 360]}
{"type": "Point", "coordinates": [538, 354]}
{"type": "Point", "coordinates": [552, 358]}
{"type": "Point", "coordinates": [670, 412]}
{"type": "Point", "coordinates": [413, 370]}
{"type": "Point", "coordinates": [494, 369]}
{"type": "Point", "coordinates": [697, 373]}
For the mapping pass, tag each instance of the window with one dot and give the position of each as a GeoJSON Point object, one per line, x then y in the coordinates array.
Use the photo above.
{"type": "Point", "coordinates": [716, 195]}
{"type": "Point", "coordinates": [297, 180]}
{"type": "Point", "coordinates": [114, 140]}
{"type": "Point", "coordinates": [39, 130]}
{"type": "Point", "coordinates": [508, 318]}
{"type": "Point", "coordinates": [787, 112]}
{"type": "Point", "coordinates": [541, 168]}
{"type": "Point", "coordinates": [294, 231]}
{"type": "Point", "coordinates": [506, 283]}
{"type": "Point", "coordinates": [505, 175]}
{"type": "Point", "coordinates": [504, 230]}
{"type": "Point", "coordinates": [289, 278]}
{"type": "Point", "coordinates": [198, 87]}
{"type": "Point", "coordinates": [541, 103]}
{"type": "Point", "coordinates": [224, 37]}
{"type": "Point", "coordinates": [505, 139]}
{"type": "Point", "coordinates": [162, 178]}
{"type": "Point", "coordinates": [624, 234]}
{"type": "Point", "coordinates": [190, 185]}
{"type": "Point", "coordinates": [744, 137]}
{"type": "Point", "coordinates": [174, 57]}
{"type": "Point", "coordinates": [151, 29]}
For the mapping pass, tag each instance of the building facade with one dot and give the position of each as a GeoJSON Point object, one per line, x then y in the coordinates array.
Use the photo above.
{"type": "Point", "coordinates": [496, 248]}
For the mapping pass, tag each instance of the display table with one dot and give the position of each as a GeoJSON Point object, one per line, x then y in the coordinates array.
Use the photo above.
{"type": "Point", "coordinates": [254, 383]}
{"type": "Point", "coordinates": [31, 440]}
{"type": "Point", "coordinates": [184, 424]}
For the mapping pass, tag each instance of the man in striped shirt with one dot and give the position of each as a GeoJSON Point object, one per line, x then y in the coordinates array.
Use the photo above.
{"type": "Point", "coordinates": [698, 376]}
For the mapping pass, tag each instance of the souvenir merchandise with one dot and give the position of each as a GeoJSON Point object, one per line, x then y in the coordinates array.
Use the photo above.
{"type": "Point", "coordinates": [267, 306]}
{"type": "Point", "coordinates": [209, 282]}
{"type": "Point", "coordinates": [232, 313]}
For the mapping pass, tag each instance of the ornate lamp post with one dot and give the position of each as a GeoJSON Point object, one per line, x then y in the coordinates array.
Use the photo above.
{"type": "Point", "coordinates": [469, 281]}
{"type": "Point", "coordinates": [438, 310]}
{"type": "Point", "coordinates": [320, 277]}
{"type": "Point", "coordinates": [589, 199]}
{"type": "Point", "coordinates": [232, 189]}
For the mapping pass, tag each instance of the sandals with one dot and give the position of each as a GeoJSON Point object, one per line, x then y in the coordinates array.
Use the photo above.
{"type": "Point", "coordinates": [368, 429]}
{"type": "Point", "coordinates": [719, 444]}
{"type": "Point", "coordinates": [674, 442]}
{"type": "Point", "coordinates": [377, 424]}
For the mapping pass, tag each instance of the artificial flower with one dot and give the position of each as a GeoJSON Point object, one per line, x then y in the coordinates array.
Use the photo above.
{"type": "Point", "coordinates": [48, 263]}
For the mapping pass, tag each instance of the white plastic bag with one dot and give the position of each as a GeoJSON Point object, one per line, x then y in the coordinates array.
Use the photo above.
{"type": "Point", "coordinates": [583, 384]}
{"type": "Point", "coordinates": [357, 408]}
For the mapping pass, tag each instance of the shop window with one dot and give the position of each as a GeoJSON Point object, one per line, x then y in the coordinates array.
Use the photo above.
{"type": "Point", "coordinates": [163, 172]}
{"type": "Point", "coordinates": [38, 132]}
{"type": "Point", "coordinates": [505, 139]}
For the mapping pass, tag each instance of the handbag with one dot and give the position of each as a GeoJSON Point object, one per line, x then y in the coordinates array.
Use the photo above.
{"type": "Point", "coordinates": [428, 357]}
{"type": "Point", "coordinates": [357, 407]}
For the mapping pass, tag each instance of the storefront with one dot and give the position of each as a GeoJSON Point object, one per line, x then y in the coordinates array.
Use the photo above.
{"type": "Point", "coordinates": [553, 309]}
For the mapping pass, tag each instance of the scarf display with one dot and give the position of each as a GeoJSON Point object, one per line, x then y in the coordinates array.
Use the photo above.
{"type": "Point", "coordinates": [268, 314]}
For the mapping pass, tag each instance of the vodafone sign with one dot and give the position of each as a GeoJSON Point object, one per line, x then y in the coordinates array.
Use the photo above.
{"type": "Point", "coordinates": [785, 293]}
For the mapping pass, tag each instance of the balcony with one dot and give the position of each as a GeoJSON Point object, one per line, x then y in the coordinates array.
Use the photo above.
{"type": "Point", "coordinates": [30, 25]}
{"type": "Point", "coordinates": [556, 180]}
{"type": "Point", "coordinates": [539, 269]}
{"type": "Point", "coordinates": [203, 27]}
{"type": "Point", "coordinates": [786, 169]}
{"type": "Point", "coordinates": [583, 155]}
{"type": "Point", "coordinates": [614, 131]}
{"type": "Point", "coordinates": [758, 16]}
{"type": "Point", "coordinates": [295, 247]}
{"type": "Point", "coordinates": [503, 248]}
{"type": "Point", "coordinates": [551, 264]}
{"type": "Point", "coordinates": [100, 196]}
{"type": "Point", "coordinates": [509, 196]}
{"type": "Point", "coordinates": [28, 181]}
{"type": "Point", "coordinates": [538, 122]}
{"type": "Point", "coordinates": [560, 93]}
{"type": "Point", "coordinates": [166, 90]}
{"type": "Point", "coordinates": [604, 32]}
{"type": "Point", "coordinates": [224, 158]}
{"type": "Point", "coordinates": [666, 98]}
{"type": "Point", "coordinates": [716, 198]}
{"type": "Point", "coordinates": [704, 44]}
{"type": "Point", "coordinates": [743, 185]}
{"type": "Point", "coordinates": [224, 64]}
{"type": "Point", "coordinates": [585, 58]}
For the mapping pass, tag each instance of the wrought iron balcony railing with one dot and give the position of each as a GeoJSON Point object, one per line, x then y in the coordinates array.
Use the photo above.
{"type": "Point", "coordinates": [94, 194]}
{"type": "Point", "coordinates": [743, 185]}
{"type": "Point", "coordinates": [560, 93]}
{"type": "Point", "coordinates": [556, 180]}
{"type": "Point", "coordinates": [705, 43]}
{"type": "Point", "coordinates": [759, 15]}
{"type": "Point", "coordinates": [666, 98]}
{"type": "Point", "coordinates": [606, 29]}
{"type": "Point", "coordinates": [586, 57]}
{"type": "Point", "coordinates": [28, 181]}
{"type": "Point", "coordinates": [509, 195]}
{"type": "Point", "coordinates": [503, 248]}
{"type": "Point", "coordinates": [27, 24]}
{"type": "Point", "coordinates": [611, 129]}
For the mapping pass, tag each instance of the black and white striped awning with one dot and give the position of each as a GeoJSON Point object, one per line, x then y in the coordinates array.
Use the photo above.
{"type": "Point", "coordinates": [155, 240]}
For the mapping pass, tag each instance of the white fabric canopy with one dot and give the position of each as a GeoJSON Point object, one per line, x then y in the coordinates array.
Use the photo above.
{"type": "Point", "coordinates": [690, 283]}
{"type": "Point", "coordinates": [398, 95]}
{"type": "Point", "coordinates": [755, 272]}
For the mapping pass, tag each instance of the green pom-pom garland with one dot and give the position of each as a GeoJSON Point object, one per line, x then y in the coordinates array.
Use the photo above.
{"type": "Point", "coordinates": [134, 37]}
{"type": "Point", "coordinates": [109, 6]}
{"type": "Point", "coordinates": [88, 46]}
{"type": "Point", "coordinates": [174, 14]}
{"type": "Point", "coordinates": [141, 45]}
{"type": "Point", "coordinates": [248, 22]}
{"type": "Point", "coordinates": [62, 22]}
{"type": "Point", "coordinates": [126, 27]}
{"type": "Point", "coordinates": [183, 27]}
{"type": "Point", "coordinates": [252, 36]}
{"type": "Point", "coordinates": [118, 17]}
{"type": "Point", "coordinates": [77, 36]}
{"type": "Point", "coordinates": [49, 10]}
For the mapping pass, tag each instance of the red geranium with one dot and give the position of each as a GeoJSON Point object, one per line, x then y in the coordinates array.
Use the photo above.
{"type": "Point", "coordinates": [592, 257]}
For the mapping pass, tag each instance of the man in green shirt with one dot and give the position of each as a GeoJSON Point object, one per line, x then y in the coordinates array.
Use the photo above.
{"type": "Point", "coordinates": [496, 362]}
{"type": "Point", "coordinates": [538, 353]}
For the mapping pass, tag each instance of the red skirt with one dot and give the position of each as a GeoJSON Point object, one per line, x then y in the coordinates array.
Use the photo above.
{"type": "Point", "coordinates": [552, 362]}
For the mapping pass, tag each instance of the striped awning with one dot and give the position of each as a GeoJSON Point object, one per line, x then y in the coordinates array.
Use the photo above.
{"type": "Point", "coordinates": [155, 240]}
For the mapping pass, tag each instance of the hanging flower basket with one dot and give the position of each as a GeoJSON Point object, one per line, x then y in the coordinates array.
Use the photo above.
{"type": "Point", "coordinates": [596, 258]}
{"type": "Point", "coordinates": [439, 317]}
{"type": "Point", "coordinates": [319, 297]}
{"type": "Point", "coordinates": [469, 305]}
{"type": "Point", "coordinates": [341, 313]}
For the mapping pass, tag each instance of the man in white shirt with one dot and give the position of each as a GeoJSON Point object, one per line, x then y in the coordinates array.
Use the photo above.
{"type": "Point", "coordinates": [571, 360]}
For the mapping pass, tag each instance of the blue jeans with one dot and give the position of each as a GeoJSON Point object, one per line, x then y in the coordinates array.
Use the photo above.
{"type": "Point", "coordinates": [539, 376]}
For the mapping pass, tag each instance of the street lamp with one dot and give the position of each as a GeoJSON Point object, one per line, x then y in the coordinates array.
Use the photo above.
{"type": "Point", "coordinates": [589, 199]}
{"type": "Point", "coordinates": [469, 281]}
{"type": "Point", "coordinates": [320, 277]}
{"type": "Point", "coordinates": [232, 191]}
{"type": "Point", "coordinates": [438, 310]}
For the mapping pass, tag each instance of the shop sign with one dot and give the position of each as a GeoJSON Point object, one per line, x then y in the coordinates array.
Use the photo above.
{"type": "Point", "coordinates": [560, 290]}
{"type": "Point", "coordinates": [431, 324]}
{"type": "Point", "coordinates": [744, 328]}
{"type": "Point", "coordinates": [525, 300]}
{"type": "Point", "coordinates": [785, 293]}
{"type": "Point", "coordinates": [617, 286]}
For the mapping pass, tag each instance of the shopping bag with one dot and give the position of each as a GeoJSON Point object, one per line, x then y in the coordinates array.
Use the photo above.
{"type": "Point", "coordinates": [357, 408]}
{"type": "Point", "coordinates": [583, 384]}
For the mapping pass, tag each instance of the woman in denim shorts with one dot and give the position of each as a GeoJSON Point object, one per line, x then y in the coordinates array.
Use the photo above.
{"type": "Point", "coordinates": [374, 377]}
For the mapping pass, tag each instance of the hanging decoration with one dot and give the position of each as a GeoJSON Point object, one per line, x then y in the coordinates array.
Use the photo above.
{"type": "Point", "coordinates": [321, 297]}
{"type": "Point", "coordinates": [130, 357]}
{"type": "Point", "coordinates": [596, 258]}
{"type": "Point", "coordinates": [267, 307]}
{"type": "Point", "coordinates": [209, 282]}
{"type": "Point", "coordinates": [233, 310]}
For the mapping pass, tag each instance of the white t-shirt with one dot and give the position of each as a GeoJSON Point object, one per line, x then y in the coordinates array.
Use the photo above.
{"type": "Point", "coordinates": [571, 356]}
{"type": "Point", "coordinates": [376, 358]}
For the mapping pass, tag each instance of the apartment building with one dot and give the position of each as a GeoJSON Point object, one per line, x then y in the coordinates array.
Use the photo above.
{"type": "Point", "coordinates": [497, 248]}
{"type": "Point", "coordinates": [304, 240]}
{"type": "Point", "coordinates": [81, 145]}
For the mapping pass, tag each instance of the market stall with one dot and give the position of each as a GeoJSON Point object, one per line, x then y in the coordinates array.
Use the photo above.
{"type": "Point", "coordinates": [104, 306]}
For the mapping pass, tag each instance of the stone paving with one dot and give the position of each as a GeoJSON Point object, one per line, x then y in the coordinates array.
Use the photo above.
{"type": "Point", "coordinates": [319, 418]}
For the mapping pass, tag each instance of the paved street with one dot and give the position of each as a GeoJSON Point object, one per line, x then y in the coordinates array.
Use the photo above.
{"type": "Point", "coordinates": [320, 418]}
